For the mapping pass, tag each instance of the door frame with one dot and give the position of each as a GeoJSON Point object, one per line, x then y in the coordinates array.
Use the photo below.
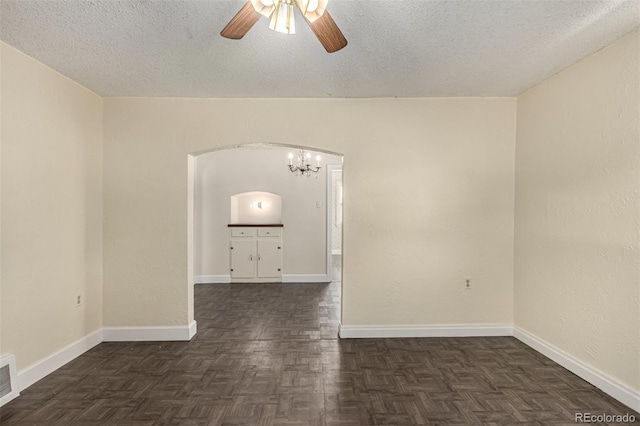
{"type": "Point", "coordinates": [331, 168]}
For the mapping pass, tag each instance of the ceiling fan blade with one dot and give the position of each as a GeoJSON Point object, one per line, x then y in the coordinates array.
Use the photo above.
{"type": "Point", "coordinates": [241, 23]}
{"type": "Point", "coordinates": [328, 33]}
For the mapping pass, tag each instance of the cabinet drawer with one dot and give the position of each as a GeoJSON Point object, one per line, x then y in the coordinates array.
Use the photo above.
{"type": "Point", "coordinates": [269, 232]}
{"type": "Point", "coordinates": [243, 232]}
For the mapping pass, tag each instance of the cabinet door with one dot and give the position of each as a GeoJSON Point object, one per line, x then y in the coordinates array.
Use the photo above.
{"type": "Point", "coordinates": [269, 259]}
{"type": "Point", "coordinates": [243, 259]}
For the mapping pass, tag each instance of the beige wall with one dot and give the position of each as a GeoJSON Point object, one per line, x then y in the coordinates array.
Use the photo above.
{"type": "Point", "coordinates": [51, 209]}
{"type": "Point", "coordinates": [428, 186]}
{"type": "Point", "coordinates": [223, 173]}
{"type": "Point", "coordinates": [577, 215]}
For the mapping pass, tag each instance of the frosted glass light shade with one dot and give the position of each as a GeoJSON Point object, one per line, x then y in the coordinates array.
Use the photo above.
{"type": "Point", "coordinates": [312, 9]}
{"type": "Point", "coordinates": [263, 7]}
{"type": "Point", "coordinates": [282, 19]}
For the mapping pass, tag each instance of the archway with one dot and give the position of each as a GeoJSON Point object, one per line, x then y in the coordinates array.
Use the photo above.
{"type": "Point", "coordinates": [261, 167]}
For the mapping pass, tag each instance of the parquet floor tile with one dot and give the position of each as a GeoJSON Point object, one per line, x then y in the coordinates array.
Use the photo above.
{"type": "Point", "coordinates": [269, 354]}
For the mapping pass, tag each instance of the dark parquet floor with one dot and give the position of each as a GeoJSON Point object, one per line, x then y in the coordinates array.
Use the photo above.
{"type": "Point", "coordinates": [269, 355]}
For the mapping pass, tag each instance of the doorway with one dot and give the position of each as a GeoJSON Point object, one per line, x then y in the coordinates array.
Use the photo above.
{"type": "Point", "coordinates": [307, 209]}
{"type": "Point", "coordinates": [334, 211]}
{"type": "Point", "coordinates": [311, 216]}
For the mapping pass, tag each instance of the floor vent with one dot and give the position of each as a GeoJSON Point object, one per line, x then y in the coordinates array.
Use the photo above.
{"type": "Point", "coordinates": [8, 379]}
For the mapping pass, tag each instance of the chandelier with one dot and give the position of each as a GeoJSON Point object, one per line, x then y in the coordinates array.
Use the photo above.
{"type": "Point", "coordinates": [303, 165]}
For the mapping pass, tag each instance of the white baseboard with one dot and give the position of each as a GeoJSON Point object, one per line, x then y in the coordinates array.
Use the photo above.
{"type": "Point", "coordinates": [149, 334]}
{"type": "Point", "coordinates": [607, 384]}
{"type": "Point", "coordinates": [621, 392]}
{"type": "Point", "coordinates": [306, 278]}
{"type": "Point", "coordinates": [193, 329]}
{"type": "Point", "coordinates": [213, 279]}
{"type": "Point", "coordinates": [390, 331]}
{"type": "Point", "coordinates": [47, 365]}
{"type": "Point", "coordinates": [286, 278]}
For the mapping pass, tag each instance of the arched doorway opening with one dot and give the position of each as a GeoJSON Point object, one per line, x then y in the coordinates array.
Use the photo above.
{"type": "Point", "coordinates": [310, 210]}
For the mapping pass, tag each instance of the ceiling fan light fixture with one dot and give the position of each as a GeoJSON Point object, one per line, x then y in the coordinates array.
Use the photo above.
{"type": "Point", "coordinates": [282, 19]}
{"type": "Point", "coordinates": [312, 9]}
{"type": "Point", "coordinates": [313, 5]}
{"type": "Point", "coordinates": [263, 7]}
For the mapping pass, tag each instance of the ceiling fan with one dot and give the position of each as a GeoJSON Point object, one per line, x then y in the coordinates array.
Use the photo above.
{"type": "Point", "coordinates": [281, 14]}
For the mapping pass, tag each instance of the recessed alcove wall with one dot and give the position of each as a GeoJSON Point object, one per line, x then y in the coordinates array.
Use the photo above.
{"type": "Point", "coordinates": [255, 208]}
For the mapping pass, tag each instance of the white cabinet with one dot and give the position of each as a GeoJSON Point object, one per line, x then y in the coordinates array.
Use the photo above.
{"type": "Point", "coordinates": [256, 253]}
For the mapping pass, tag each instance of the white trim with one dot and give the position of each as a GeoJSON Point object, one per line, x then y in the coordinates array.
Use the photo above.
{"type": "Point", "coordinates": [213, 279]}
{"type": "Point", "coordinates": [328, 218]}
{"type": "Point", "coordinates": [597, 378]}
{"type": "Point", "coordinates": [331, 170]}
{"type": "Point", "coordinates": [10, 360]}
{"type": "Point", "coordinates": [457, 330]}
{"type": "Point", "coordinates": [193, 329]}
{"type": "Point", "coordinates": [306, 278]}
{"type": "Point", "coordinates": [47, 365]}
{"type": "Point", "coordinates": [149, 334]}
{"type": "Point", "coordinates": [621, 392]}
{"type": "Point", "coordinates": [336, 252]}
{"type": "Point", "coordinates": [38, 370]}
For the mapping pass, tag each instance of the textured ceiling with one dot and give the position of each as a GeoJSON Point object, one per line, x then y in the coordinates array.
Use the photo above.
{"type": "Point", "coordinates": [410, 48]}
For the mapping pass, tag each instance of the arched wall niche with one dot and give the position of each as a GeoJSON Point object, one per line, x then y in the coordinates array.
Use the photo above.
{"type": "Point", "coordinates": [255, 208]}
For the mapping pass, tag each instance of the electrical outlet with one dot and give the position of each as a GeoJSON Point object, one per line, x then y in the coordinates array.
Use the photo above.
{"type": "Point", "coordinates": [78, 300]}
{"type": "Point", "coordinates": [467, 283]}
